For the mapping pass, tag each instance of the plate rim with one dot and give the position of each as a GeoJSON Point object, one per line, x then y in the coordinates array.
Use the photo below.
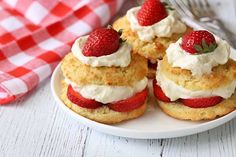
{"type": "Point", "coordinates": [132, 133]}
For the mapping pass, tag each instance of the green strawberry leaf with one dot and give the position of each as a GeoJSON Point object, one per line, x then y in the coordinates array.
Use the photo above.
{"type": "Point", "coordinates": [122, 40]}
{"type": "Point", "coordinates": [167, 6]}
{"type": "Point", "coordinates": [205, 46]}
{"type": "Point", "coordinates": [198, 48]}
{"type": "Point", "coordinates": [212, 47]}
{"type": "Point", "coordinates": [120, 32]}
{"type": "Point", "coordinates": [165, 3]}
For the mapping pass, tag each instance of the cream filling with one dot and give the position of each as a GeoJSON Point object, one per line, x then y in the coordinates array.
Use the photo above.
{"type": "Point", "coordinates": [120, 58]}
{"type": "Point", "coordinates": [198, 64]}
{"type": "Point", "coordinates": [174, 91]}
{"type": "Point", "coordinates": [106, 94]}
{"type": "Point", "coordinates": [164, 28]}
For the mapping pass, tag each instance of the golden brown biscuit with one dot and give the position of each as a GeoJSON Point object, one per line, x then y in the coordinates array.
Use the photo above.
{"type": "Point", "coordinates": [83, 74]}
{"type": "Point", "coordinates": [102, 114]}
{"type": "Point", "coordinates": [180, 111]}
{"type": "Point", "coordinates": [221, 75]}
{"type": "Point", "coordinates": [152, 50]}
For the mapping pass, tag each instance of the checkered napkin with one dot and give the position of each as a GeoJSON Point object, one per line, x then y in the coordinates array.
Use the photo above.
{"type": "Point", "coordinates": [35, 35]}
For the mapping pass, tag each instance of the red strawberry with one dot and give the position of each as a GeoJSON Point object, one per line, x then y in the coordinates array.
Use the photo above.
{"type": "Point", "coordinates": [101, 42]}
{"type": "Point", "coordinates": [79, 100]}
{"type": "Point", "coordinates": [129, 104]}
{"type": "Point", "coordinates": [152, 11]}
{"type": "Point", "coordinates": [158, 93]}
{"type": "Point", "coordinates": [198, 42]}
{"type": "Point", "coordinates": [202, 102]}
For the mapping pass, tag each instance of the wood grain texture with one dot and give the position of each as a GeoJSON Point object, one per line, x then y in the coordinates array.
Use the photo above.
{"type": "Point", "coordinates": [36, 127]}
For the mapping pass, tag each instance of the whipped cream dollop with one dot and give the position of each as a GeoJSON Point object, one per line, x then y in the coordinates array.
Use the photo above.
{"type": "Point", "coordinates": [198, 64]}
{"type": "Point", "coordinates": [106, 94]}
{"type": "Point", "coordinates": [164, 28]}
{"type": "Point", "coordinates": [120, 58]}
{"type": "Point", "coordinates": [175, 91]}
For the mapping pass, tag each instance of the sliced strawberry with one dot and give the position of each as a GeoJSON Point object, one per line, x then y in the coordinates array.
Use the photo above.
{"type": "Point", "coordinates": [101, 42]}
{"type": "Point", "coordinates": [79, 100]}
{"type": "Point", "coordinates": [152, 11]}
{"type": "Point", "coordinates": [158, 93]}
{"type": "Point", "coordinates": [200, 41]}
{"type": "Point", "coordinates": [129, 104]}
{"type": "Point", "coordinates": [202, 102]}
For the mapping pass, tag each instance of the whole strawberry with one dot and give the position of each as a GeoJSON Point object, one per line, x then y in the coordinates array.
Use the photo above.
{"type": "Point", "coordinates": [152, 11]}
{"type": "Point", "coordinates": [101, 42]}
{"type": "Point", "coordinates": [197, 42]}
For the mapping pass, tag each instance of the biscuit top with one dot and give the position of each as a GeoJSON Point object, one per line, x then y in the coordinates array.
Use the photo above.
{"type": "Point", "coordinates": [120, 58]}
{"type": "Point", "coordinates": [83, 74]}
{"type": "Point", "coordinates": [198, 64]}
{"type": "Point", "coordinates": [221, 75]}
{"type": "Point", "coordinates": [164, 28]}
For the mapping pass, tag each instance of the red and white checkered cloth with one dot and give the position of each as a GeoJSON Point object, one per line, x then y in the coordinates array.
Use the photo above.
{"type": "Point", "coordinates": [35, 35]}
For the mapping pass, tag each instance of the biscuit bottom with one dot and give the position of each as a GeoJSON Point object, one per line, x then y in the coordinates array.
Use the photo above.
{"type": "Point", "coordinates": [102, 114]}
{"type": "Point", "coordinates": [180, 111]}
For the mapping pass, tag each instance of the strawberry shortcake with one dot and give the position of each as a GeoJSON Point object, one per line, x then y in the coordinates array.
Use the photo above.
{"type": "Point", "coordinates": [196, 80]}
{"type": "Point", "coordinates": [104, 81]}
{"type": "Point", "coordinates": [150, 29]}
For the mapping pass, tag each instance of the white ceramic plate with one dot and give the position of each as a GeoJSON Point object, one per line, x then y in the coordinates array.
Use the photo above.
{"type": "Point", "coordinates": [153, 124]}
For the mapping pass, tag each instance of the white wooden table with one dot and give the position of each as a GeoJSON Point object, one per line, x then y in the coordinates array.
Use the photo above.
{"type": "Point", "coordinates": [35, 126]}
